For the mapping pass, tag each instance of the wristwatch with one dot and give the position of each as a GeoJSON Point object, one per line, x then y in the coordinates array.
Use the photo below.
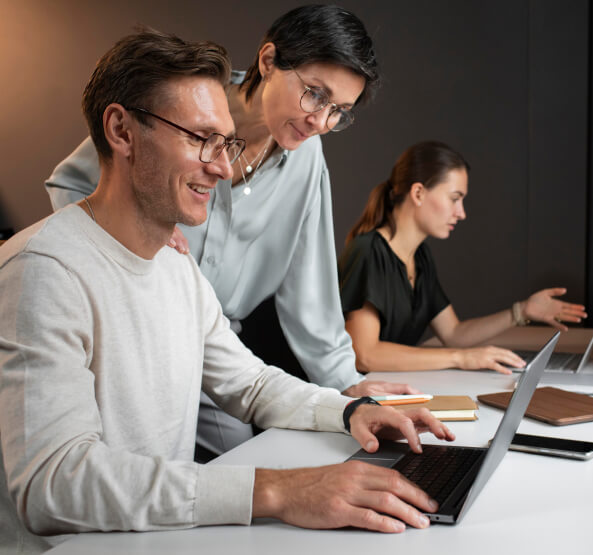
{"type": "Point", "coordinates": [352, 406]}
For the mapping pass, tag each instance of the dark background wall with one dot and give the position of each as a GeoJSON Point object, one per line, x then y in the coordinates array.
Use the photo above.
{"type": "Point", "coordinates": [507, 83]}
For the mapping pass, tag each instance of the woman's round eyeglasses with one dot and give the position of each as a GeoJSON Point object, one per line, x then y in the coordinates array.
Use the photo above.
{"type": "Point", "coordinates": [315, 99]}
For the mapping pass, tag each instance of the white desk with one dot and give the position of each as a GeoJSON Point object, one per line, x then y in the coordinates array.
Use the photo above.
{"type": "Point", "coordinates": [532, 504]}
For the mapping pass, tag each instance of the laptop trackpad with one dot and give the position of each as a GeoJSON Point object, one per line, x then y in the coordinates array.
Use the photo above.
{"type": "Point", "coordinates": [387, 455]}
{"type": "Point", "coordinates": [387, 463]}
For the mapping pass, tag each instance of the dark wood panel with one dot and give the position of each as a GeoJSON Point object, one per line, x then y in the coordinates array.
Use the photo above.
{"type": "Point", "coordinates": [558, 144]}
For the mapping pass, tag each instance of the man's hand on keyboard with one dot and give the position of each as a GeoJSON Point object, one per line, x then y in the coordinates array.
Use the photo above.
{"type": "Point", "coordinates": [370, 422]}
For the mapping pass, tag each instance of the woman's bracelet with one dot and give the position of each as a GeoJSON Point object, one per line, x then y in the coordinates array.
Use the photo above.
{"type": "Point", "coordinates": [518, 318]}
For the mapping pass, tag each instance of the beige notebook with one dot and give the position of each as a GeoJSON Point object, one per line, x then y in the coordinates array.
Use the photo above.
{"type": "Point", "coordinates": [449, 407]}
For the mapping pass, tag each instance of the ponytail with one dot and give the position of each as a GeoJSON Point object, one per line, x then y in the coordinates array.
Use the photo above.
{"type": "Point", "coordinates": [427, 162]}
{"type": "Point", "coordinates": [377, 212]}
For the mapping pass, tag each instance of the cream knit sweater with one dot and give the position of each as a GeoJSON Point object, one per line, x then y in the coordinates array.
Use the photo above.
{"type": "Point", "coordinates": [102, 358]}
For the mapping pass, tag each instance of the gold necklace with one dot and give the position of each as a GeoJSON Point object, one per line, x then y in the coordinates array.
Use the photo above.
{"type": "Point", "coordinates": [411, 271]}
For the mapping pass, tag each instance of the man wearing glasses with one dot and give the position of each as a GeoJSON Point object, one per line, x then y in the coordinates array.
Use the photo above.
{"type": "Point", "coordinates": [268, 245]}
{"type": "Point", "coordinates": [107, 337]}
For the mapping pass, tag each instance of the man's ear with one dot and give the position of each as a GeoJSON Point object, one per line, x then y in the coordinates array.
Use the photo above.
{"type": "Point", "coordinates": [267, 53]}
{"type": "Point", "coordinates": [417, 192]}
{"type": "Point", "coordinates": [117, 129]}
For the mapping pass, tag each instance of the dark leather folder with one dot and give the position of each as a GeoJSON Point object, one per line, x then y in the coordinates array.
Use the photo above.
{"type": "Point", "coordinates": [549, 404]}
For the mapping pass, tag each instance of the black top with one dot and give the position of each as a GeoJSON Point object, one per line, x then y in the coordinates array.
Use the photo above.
{"type": "Point", "coordinates": [370, 271]}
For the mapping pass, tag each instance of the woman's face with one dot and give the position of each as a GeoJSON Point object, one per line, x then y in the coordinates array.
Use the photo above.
{"type": "Point", "coordinates": [288, 123]}
{"type": "Point", "coordinates": [440, 208]}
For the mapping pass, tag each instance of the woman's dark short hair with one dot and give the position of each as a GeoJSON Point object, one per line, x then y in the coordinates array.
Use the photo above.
{"type": "Point", "coordinates": [133, 71]}
{"type": "Point", "coordinates": [319, 33]}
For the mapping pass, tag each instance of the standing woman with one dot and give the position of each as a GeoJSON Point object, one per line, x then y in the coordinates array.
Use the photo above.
{"type": "Point", "coordinates": [388, 280]}
{"type": "Point", "coordinates": [269, 231]}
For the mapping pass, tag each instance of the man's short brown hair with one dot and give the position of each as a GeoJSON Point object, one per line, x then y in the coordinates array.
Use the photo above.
{"type": "Point", "coordinates": [133, 70]}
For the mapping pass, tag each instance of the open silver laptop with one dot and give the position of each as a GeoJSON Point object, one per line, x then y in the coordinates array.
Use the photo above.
{"type": "Point", "coordinates": [453, 475]}
{"type": "Point", "coordinates": [564, 368]}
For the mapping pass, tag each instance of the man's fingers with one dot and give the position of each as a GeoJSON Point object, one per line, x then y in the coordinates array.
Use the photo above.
{"type": "Point", "coordinates": [388, 420]}
{"type": "Point", "coordinates": [440, 430]}
{"type": "Point", "coordinates": [408, 430]}
{"type": "Point", "coordinates": [361, 433]}
{"type": "Point", "coordinates": [392, 505]}
{"type": "Point", "coordinates": [348, 494]}
{"type": "Point", "coordinates": [424, 421]}
{"type": "Point", "coordinates": [405, 491]}
{"type": "Point", "coordinates": [387, 481]}
{"type": "Point", "coordinates": [369, 519]}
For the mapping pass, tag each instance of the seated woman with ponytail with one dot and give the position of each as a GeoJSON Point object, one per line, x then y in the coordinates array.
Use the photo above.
{"type": "Point", "coordinates": [389, 284]}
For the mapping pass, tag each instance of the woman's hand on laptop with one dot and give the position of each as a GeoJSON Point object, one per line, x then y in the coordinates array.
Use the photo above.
{"type": "Point", "coordinates": [488, 358]}
{"type": "Point", "coordinates": [370, 422]}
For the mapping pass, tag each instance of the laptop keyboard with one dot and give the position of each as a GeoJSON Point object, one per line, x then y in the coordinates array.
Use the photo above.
{"type": "Point", "coordinates": [559, 362]}
{"type": "Point", "coordinates": [438, 469]}
{"type": "Point", "coordinates": [563, 361]}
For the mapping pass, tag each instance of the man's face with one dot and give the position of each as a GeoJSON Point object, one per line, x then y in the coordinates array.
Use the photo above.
{"type": "Point", "coordinates": [169, 181]}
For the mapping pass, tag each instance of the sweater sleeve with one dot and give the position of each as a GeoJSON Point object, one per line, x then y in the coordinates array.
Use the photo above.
{"type": "Point", "coordinates": [75, 177]}
{"type": "Point", "coordinates": [244, 386]}
{"type": "Point", "coordinates": [61, 474]}
{"type": "Point", "coordinates": [308, 301]}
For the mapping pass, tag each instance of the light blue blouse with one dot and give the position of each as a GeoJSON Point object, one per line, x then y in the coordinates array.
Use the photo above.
{"type": "Point", "coordinates": [278, 240]}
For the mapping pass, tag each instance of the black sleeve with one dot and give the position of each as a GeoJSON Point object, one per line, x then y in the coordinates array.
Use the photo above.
{"type": "Point", "coordinates": [360, 277]}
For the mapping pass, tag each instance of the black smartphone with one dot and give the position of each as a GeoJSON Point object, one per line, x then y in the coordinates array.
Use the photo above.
{"type": "Point", "coordinates": [553, 446]}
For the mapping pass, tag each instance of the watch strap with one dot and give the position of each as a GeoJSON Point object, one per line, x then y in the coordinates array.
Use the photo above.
{"type": "Point", "coordinates": [352, 406]}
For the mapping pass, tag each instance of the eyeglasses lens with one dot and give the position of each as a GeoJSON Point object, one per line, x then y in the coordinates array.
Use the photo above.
{"type": "Point", "coordinates": [212, 148]}
{"type": "Point", "coordinates": [235, 149]}
{"type": "Point", "coordinates": [338, 118]}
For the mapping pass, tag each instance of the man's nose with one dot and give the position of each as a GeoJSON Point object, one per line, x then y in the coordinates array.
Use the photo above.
{"type": "Point", "coordinates": [221, 166]}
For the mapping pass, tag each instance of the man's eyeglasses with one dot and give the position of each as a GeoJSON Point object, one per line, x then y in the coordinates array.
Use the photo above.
{"type": "Point", "coordinates": [211, 147]}
{"type": "Point", "coordinates": [315, 99]}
